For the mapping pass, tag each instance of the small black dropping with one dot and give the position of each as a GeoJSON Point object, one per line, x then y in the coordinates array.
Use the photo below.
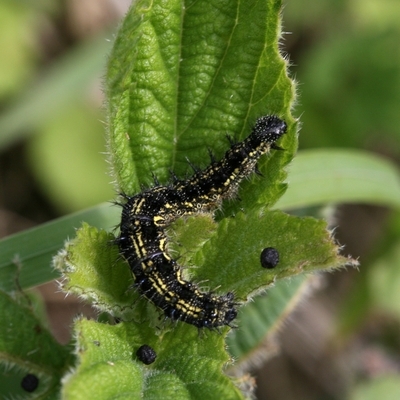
{"type": "Point", "coordinates": [269, 258]}
{"type": "Point", "coordinates": [146, 354]}
{"type": "Point", "coordinates": [30, 383]}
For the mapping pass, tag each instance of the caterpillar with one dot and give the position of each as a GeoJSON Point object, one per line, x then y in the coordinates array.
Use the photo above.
{"type": "Point", "coordinates": [142, 240]}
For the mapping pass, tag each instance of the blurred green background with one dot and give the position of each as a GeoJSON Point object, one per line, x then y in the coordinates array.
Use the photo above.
{"type": "Point", "coordinates": [344, 340]}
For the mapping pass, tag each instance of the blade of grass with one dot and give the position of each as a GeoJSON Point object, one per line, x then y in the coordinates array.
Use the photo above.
{"type": "Point", "coordinates": [27, 255]}
{"type": "Point", "coordinates": [340, 176]}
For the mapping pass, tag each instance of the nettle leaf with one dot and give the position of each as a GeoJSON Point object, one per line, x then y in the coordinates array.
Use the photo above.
{"type": "Point", "coordinates": [184, 368]}
{"type": "Point", "coordinates": [29, 353]}
{"type": "Point", "coordinates": [181, 76]}
{"type": "Point", "coordinates": [92, 269]}
{"type": "Point", "coordinates": [231, 258]}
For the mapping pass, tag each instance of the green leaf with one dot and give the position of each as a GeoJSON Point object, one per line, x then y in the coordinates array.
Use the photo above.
{"type": "Point", "coordinates": [304, 245]}
{"type": "Point", "coordinates": [185, 367]}
{"type": "Point", "coordinates": [94, 271]}
{"type": "Point", "coordinates": [27, 347]}
{"type": "Point", "coordinates": [184, 74]}
{"type": "Point", "coordinates": [341, 176]}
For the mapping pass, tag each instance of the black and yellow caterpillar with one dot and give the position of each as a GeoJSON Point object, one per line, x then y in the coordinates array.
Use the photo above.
{"type": "Point", "coordinates": [145, 216]}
